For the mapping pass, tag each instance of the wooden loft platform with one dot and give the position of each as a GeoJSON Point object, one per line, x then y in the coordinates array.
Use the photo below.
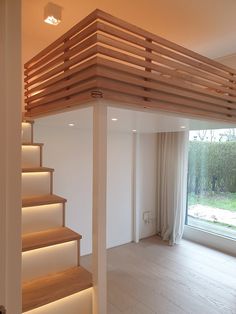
{"type": "Point", "coordinates": [105, 57]}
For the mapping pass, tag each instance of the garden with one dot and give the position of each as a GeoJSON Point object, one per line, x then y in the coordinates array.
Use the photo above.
{"type": "Point", "coordinates": [212, 184]}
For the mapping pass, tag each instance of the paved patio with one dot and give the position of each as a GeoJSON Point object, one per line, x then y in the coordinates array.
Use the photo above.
{"type": "Point", "coordinates": [206, 218]}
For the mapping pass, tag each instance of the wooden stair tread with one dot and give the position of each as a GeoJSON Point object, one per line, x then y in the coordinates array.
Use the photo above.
{"type": "Point", "coordinates": [42, 200]}
{"type": "Point", "coordinates": [53, 287]}
{"type": "Point", "coordinates": [49, 237]}
{"type": "Point", "coordinates": [27, 121]}
{"type": "Point", "coordinates": [37, 169]}
{"type": "Point", "coordinates": [32, 144]}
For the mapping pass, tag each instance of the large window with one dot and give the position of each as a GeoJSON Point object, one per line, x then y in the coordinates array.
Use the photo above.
{"type": "Point", "coordinates": [212, 181]}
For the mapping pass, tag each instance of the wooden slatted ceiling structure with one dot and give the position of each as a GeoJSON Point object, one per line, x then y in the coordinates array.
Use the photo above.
{"type": "Point", "coordinates": [103, 56]}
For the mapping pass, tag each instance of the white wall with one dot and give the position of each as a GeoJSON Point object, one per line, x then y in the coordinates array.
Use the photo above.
{"type": "Point", "coordinates": [69, 151]}
{"type": "Point", "coordinates": [146, 187]}
{"type": "Point", "coordinates": [119, 189]}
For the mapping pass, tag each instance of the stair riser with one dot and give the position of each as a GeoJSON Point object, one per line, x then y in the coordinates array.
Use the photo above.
{"type": "Point", "coordinates": [35, 184]}
{"type": "Point", "coordinates": [31, 156]}
{"type": "Point", "coordinates": [39, 218]}
{"type": "Point", "coordinates": [53, 259]}
{"type": "Point", "coordinates": [26, 132]}
{"type": "Point", "coordinates": [77, 303]}
{"type": "Point", "coordinates": [44, 261]}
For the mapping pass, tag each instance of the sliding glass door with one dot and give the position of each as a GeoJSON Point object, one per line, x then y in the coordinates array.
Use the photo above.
{"type": "Point", "coordinates": [212, 181]}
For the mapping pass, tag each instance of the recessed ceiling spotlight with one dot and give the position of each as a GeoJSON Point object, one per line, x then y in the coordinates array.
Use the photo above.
{"type": "Point", "coordinates": [52, 14]}
{"type": "Point", "coordinates": [134, 130]}
{"type": "Point", "coordinates": [183, 127]}
{"type": "Point", "coordinates": [71, 124]}
{"type": "Point", "coordinates": [114, 119]}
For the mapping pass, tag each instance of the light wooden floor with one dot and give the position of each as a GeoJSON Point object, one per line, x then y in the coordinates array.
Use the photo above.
{"type": "Point", "coordinates": [153, 278]}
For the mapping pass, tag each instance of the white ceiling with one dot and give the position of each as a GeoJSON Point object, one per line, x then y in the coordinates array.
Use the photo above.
{"type": "Point", "coordinates": [205, 26]}
{"type": "Point", "coordinates": [128, 120]}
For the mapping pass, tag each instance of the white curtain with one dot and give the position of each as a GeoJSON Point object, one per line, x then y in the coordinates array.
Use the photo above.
{"type": "Point", "coordinates": [171, 184]}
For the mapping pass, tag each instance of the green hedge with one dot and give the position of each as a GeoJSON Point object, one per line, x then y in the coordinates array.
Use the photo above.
{"type": "Point", "coordinates": [212, 167]}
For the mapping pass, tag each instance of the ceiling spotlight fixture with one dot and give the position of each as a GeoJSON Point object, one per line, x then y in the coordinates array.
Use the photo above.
{"type": "Point", "coordinates": [52, 13]}
{"type": "Point", "coordinates": [134, 130]}
{"type": "Point", "coordinates": [183, 127]}
{"type": "Point", "coordinates": [71, 124]}
{"type": "Point", "coordinates": [114, 119]}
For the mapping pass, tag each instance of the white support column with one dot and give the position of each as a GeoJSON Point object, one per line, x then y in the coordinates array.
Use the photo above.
{"type": "Point", "coordinates": [99, 208]}
{"type": "Point", "coordinates": [136, 187]}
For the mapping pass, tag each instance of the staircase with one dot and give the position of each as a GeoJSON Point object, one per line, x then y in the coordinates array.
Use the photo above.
{"type": "Point", "coordinates": [53, 280]}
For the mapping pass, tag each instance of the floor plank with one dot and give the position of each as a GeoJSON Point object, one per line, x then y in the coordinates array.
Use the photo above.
{"type": "Point", "coordinates": [154, 278]}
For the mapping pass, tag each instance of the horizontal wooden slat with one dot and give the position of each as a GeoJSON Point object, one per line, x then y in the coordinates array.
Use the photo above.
{"type": "Point", "coordinates": [159, 96]}
{"type": "Point", "coordinates": [64, 95]}
{"type": "Point", "coordinates": [65, 51]}
{"type": "Point", "coordinates": [174, 81]}
{"type": "Point", "coordinates": [106, 53]}
{"type": "Point", "coordinates": [83, 56]}
{"type": "Point", "coordinates": [67, 55]}
{"type": "Point", "coordinates": [177, 79]}
{"type": "Point", "coordinates": [61, 86]}
{"type": "Point", "coordinates": [165, 52]}
{"type": "Point", "coordinates": [140, 63]}
{"type": "Point", "coordinates": [82, 24]}
{"type": "Point", "coordinates": [139, 31]}
{"type": "Point", "coordinates": [77, 101]}
{"type": "Point", "coordinates": [55, 82]}
{"type": "Point", "coordinates": [200, 77]}
{"type": "Point", "coordinates": [134, 102]}
{"type": "Point", "coordinates": [102, 72]}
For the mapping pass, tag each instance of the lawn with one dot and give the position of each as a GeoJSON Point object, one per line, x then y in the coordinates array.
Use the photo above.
{"type": "Point", "coordinates": [221, 200]}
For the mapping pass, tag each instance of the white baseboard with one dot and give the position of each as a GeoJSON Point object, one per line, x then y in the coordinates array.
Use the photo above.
{"type": "Point", "coordinates": [212, 240]}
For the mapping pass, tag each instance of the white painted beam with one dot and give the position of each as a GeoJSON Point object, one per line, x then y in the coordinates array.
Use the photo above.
{"type": "Point", "coordinates": [99, 208]}
{"type": "Point", "coordinates": [134, 189]}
